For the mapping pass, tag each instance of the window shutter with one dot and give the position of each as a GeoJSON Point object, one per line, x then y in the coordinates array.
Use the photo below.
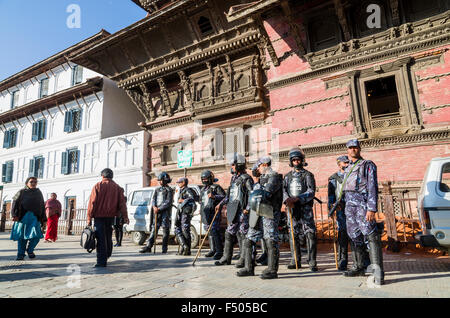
{"type": "Point", "coordinates": [9, 171]}
{"type": "Point", "coordinates": [44, 88]}
{"type": "Point", "coordinates": [34, 134]}
{"type": "Point", "coordinates": [77, 164]}
{"type": "Point", "coordinates": [31, 172]}
{"type": "Point", "coordinates": [64, 163]}
{"type": "Point", "coordinates": [4, 172]}
{"type": "Point", "coordinates": [80, 116]}
{"type": "Point", "coordinates": [6, 139]}
{"type": "Point", "coordinates": [79, 74]}
{"type": "Point", "coordinates": [13, 138]}
{"type": "Point", "coordinates": [42, 129]}
{"type": "Point", "coordinates": [40, 172]}
{"type": "Point", "coordinates": [68, 122]}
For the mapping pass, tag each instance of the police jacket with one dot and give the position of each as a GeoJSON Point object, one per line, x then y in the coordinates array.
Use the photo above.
{"type": "Point", "coordinates": [214, 189]}
{"type": "Point", "coordinates": [272, 184]}
{"type": "Point", "coordinates": [163, 198]}
{"type": "Point", "coordinates": [240, 187]}
{"type": "Point", "coordinates": [300, 184]}
{"type": "Point", "coordinates": [363, 180]}
{"type": "Point", "coordinates": [188, 196]}
{"type": "Point", "coordinates": [334, 188]}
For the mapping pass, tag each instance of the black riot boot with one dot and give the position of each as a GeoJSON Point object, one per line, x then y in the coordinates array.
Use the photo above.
{"type": "Point", "coordinates": [342, 250]}
{"type": "Point", "coordinates": [148, 247]}
{"type": "Point", "coordinates": [182, 242]}
{"type": "Point", "coordinates": [358, 255]}
{"type": "Point", "coordinates": [238, 255]}
{"type": "Point", "coordinates": [297, 251]}
{"type": "Point", "coordinates": [273, 255]}
{"type": "Point", "coordinates": [241, 261]}
{"type": "Point", "coordinates": [187, 249]}
{"type": "Point", "coordinates": [311, 242]}
{"type": "Point", "coordinates": [165, 240]}
{"type": "Point", "coordinates": [218, 246]}
{"type": "Point", "coordinates": [212, 250]}
{"type": "Point", "coordinates": [227, 251]}
{"type": "Point", "coordinates": [262, 260]}
{"type": "Point", "coordinates": [249, 268]}
{"type": "Point", "coordinates": [376, 257]}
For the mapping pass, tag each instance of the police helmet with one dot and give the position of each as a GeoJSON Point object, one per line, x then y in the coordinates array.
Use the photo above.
{"type": "Point", "coordinates": [208, 175]}
{"type": "Point", "coordinates": [164, 176]}
{"type": "Point", "coordinates": [238, 161]}
{"type": "Point", "coordinates": [296, 153]}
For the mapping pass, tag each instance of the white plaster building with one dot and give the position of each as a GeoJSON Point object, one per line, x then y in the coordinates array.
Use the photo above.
{"type": "Point", "coordinates": [63, 124]}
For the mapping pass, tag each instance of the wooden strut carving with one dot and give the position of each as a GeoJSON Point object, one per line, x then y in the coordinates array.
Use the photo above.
{"type": "Point", "coordinates": [294, 28]}
{"type": "Point", "coordinates": [186, 86]}
{"type": "Point", "coordinates": [165, 101]}
{"type": "Point", "coordinates": [148, 104]}
{"type": "Point", "coordinates": [138, 100]}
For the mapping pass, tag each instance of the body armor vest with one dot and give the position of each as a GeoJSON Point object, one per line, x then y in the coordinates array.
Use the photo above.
{"type": "Point", "coordinates": [297, 186]}
{"type": "Point", "coordinates": [357, 180]}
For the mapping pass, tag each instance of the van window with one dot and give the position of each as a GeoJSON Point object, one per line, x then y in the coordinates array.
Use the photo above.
{"type": "Point", "coordinates": [141, 198]}
{"type": "Point", "coordinates": [444, 185]}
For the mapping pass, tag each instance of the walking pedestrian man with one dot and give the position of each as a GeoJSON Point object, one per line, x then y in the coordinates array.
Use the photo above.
{"type": "Point", "coordinates": [186, 209]}
{"type": "Point", "coordinates": [162, 206]}
{"type": "Point", "coordinates": [299, 189]}
{"type": "Point", "coordinates": [210, 196]}
{"type": "Point", "coordinates": [106, 202]}
{"type": "Point", "coordinates": [361, 198]}
{"type": "Point", "coordinates": [236, 201]}
{"type": "Point", "coordinates": [265, 208]}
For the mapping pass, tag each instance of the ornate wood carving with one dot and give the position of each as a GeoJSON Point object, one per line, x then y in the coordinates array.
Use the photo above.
{"type": "Point", "coordinates": [186, 86]}
{"type": "Point", "coordinates": [294, 27]}
{"type": "Point", "coordinates": [265, 41]}
{"type": "Point", "coordinates": [148, 103]}
{"type": "Point", "coordinates": [340, 12]}
{"type": "Point", "coordinates": [395, 12]}
{"type": "Point", "coordinates": [165, 102]}
{"type": "Point", "coordinates": [139, 101]}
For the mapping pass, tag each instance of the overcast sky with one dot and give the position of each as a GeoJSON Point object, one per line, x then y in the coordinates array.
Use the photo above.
{"type": "Point", "coordinates": [33, 30]}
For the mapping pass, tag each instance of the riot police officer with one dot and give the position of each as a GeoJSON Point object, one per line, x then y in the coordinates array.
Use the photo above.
{"type": "Point", "coordinates": [211, 195]}
{"type": "Point", "coordinates": [335, 182]}
{"type": "Point", "coordinates": [162, 206]}
{"type": "Point", "coordinates": [299, 187]}
{"type": "Point", "coordinates": [186, 209]}
{"type": "Point", "coordinates": [361, 198]}
{"type": "Point", "coordinates": [265, 208]}
{"type": "Point", "coordinates": [262, 259]}
{"type": "Point", "coordinates": [236, 201]}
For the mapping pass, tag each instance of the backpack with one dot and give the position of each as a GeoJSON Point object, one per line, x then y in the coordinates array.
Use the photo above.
{"type": "Point", "coordinates": [88, 241]}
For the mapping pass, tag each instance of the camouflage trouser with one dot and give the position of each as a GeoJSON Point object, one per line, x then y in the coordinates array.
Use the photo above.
{"type": "Point", "coordinates": [163, 218]}
{"type": "Point", "coordinates": [183, 225]}
{"type": "Point", "coordinates": [303, 218]}
{"type": "Point", "coordinates": [341, 220]}
{"type": "Point", "coordinates": [239, 225]}
{"type": "Point", "coordinates": [215, 226]}
{"type": "Point", "coordinates": [265, 228]}
{"type": "Point", "coordinates": [355, 213]}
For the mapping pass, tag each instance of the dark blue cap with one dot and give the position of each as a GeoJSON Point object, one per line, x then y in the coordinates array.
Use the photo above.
{"type": "Point", "coordinates": [265, 159]}
{"type": "Point", "coordinates": [353, 143]}
{"type": "Point", "coordinates": [185, 180]}
{"type": "Point", "coordinates": [343, 159]}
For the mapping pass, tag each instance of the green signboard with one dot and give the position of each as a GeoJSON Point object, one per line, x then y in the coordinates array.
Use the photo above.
{"type": "Point", "coordinates": [184, 159]}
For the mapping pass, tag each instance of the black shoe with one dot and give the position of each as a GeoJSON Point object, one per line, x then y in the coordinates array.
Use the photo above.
{"type": "Point", "coordinates": [273, 255]}
{"type": "Point", "coordinates": [244, 272]}
{"type": "Point", "coordinates": [269, 275]}
{"type": "Point", "coordinates": [145, 249]}
{"type": "Point", "coordinates": [20, 258]}
{"type": "Point", "coordinates": [292, 266]}
{"type": "Point", "coordinates": [353, 272]}
{"type": "Point", "coordinates": [31, 255]}
{"type": "Point", "coordinates": [247, 253]}
{"type": "Point", "coordinates": [210, 254]}
{"type": "Point", "coordinates": [117, 245]}
{"type": "Point", "coordinates": [217, 256]}
{"type": "Point", "coordinates": [313, 268]}
{"type": "Point", "coordinates": [99, 265]}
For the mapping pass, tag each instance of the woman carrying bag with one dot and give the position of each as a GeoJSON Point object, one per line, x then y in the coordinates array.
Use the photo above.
{"type": "Point", "coordinates": [28, 212]}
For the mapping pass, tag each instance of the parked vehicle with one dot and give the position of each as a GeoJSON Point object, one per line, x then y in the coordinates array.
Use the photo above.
{"type": "Point", "coordinates": [139, 213]}
{"type": "Point", "coordinates": [434, 205]}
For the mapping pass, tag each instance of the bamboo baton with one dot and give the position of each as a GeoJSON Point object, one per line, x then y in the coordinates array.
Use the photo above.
{"type": "Point", "coordinates": [207, 233]}
{"type": "Point", "coordinates": [335, 243]}
{"type": "Point", "coordinates": [155, 229]}
{"type": "Point", "coordinates": [292, 237]}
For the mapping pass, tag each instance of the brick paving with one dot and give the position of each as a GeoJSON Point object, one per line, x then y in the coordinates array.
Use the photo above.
{"type": "Point", "coordinates": [54, 273]}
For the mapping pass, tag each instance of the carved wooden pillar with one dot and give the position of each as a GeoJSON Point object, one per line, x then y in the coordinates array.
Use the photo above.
{"type": "Point", "coordinates": [212, 80]}
{"type": "Point", "coordinates": [165, 107]}
{"type": "Point", "coordinates": [411, 111]}
{"type": "Point", "coordinates": [230, 73]}
{"type": "Point", "coordinates": [151, 111]}
{"type": "Point", "coordinates": [389, 214]}
{"type": "Point", "coordinates": [356, 105]}
{"type": "Point", "coordinates": [186, 85]}
{"type": "Point", "coordinates": [340, 12]}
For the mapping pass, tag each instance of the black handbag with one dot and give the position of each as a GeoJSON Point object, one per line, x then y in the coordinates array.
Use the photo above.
{"type": "Point", "coordinates": [88, 240]}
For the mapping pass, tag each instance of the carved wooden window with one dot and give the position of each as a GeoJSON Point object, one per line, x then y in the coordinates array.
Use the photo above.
{"type": "Point", "coordinates": [242, 81]}
{"type": "Point", "coordinates": [324, 32]}
{"type": "Point", "coordinates": [233, 140]}
{"type": "Point", "coordinates": [360, 15]}
{"type": "Point", "coordinates": [223, 87]}
{"type": "Point", "coordinates": [205, 26]}
{"type": "Point", "coordinates": [420, 9]}
{"type": "Point", "coordinates": [203, 92]}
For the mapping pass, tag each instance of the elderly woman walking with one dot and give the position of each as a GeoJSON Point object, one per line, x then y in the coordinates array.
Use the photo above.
{"type": "Point", "coordinates": [53, 212]}
{"type": "Point", "coordinates": [28, 212]}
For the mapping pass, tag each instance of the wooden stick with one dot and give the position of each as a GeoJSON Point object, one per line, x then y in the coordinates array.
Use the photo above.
{"type": "Point", "coordinates": [292, 237]}
{"type": "Point", "coordinates": [155, 229]}
{"type": "Point", "coordinates": [334, 244]}
{"type": "Point", "coordinates": [207, 233]}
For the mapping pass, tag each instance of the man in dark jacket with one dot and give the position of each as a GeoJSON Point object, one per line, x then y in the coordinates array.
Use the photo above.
{"type": "Point", "coordinates": [186, 209]}
{"type": "Point", "coordinates": [106, 202]}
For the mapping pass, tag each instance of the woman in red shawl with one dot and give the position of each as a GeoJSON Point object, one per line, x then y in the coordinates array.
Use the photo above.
{"type": "Point", "coordinates": [53, 211]}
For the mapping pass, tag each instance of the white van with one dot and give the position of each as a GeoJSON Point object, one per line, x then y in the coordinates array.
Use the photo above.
{"type": "Point", "coordinates": [434, 205]}
{"type": "Point", "coordinates": [139, 213]}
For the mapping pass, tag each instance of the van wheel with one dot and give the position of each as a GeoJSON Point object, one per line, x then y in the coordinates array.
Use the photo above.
{"type": "Point", "coordinates": [138, 238]}
{"type": "Point", "coordinates": [194, 237]}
